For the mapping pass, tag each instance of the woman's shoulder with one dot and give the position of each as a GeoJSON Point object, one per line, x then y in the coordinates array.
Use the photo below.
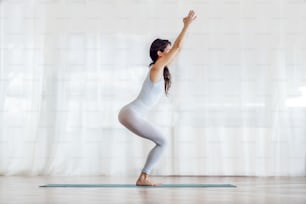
{"type": "Point", "coordinates": [155, 75]}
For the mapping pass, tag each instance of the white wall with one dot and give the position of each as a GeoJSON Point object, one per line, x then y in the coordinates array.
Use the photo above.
{"type": "Point", "coordinates": [237, 105]}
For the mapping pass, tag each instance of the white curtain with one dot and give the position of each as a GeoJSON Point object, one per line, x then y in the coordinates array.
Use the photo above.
{"type": "Point", "coordinates": [236, 107]}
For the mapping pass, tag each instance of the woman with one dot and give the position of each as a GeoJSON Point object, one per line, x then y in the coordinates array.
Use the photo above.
{"type": "Point", "coordinates": [131, 115]}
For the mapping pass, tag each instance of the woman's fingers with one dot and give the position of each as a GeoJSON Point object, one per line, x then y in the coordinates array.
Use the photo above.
{"type": "Point", "coordinates": [190, 17]}
{"type": "Point", "coordinates": [194, 17]}
{"type": "Point", "coordinates": [191, 14]}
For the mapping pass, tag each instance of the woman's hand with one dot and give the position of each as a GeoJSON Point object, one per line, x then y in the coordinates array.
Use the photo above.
{"type": "Point", "coordinates": [189, 18]}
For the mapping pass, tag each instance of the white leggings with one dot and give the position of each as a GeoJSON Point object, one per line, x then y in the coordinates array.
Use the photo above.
{"type": "Point", "coordinates": [133, 121]}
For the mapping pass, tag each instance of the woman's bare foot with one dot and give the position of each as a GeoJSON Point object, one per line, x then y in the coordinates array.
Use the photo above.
{"type": "Point", "coordinates": [144, 180]}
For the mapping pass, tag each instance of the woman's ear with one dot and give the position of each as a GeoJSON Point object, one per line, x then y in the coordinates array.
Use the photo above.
{"type": "Point", "coordinates": [159, 53]}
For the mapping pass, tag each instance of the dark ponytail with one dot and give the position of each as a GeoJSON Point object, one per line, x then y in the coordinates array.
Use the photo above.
{"type": "Point", "coordinates": [160, 45]}
{"type": "Point", "coordinates": [167, 78]}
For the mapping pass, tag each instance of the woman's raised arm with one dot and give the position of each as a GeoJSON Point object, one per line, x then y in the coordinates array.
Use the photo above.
{"type": "Point", "coordinates": [169, 57]}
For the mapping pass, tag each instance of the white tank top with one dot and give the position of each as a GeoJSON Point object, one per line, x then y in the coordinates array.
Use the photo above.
{"type": "Point", "coordinates": [149, 95]}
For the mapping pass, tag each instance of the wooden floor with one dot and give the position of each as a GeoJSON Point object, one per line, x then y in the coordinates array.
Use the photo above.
{"type": "Point", "coordinates": [25, 190]}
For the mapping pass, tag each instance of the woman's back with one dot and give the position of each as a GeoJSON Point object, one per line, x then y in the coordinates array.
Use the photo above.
{"type": "Point", "coordinates": [148, 96]}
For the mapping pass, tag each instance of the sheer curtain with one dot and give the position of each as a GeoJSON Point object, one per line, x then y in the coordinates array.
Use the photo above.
{"type": "Point", "coordinates": [236, 107]}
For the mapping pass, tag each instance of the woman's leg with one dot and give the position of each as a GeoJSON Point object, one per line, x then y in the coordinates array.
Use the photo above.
{"type": "Point", "coordinates": [143, 128]}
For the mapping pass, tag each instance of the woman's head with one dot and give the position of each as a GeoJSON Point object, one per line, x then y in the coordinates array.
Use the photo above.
{"type": "Point", "coordinates": [158, 49]}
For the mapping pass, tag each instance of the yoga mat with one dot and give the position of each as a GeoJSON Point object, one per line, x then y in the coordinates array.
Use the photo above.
{"type": "Point", "coordinates": [134, 186]}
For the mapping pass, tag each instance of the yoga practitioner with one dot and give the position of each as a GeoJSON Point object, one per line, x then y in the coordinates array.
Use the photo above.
{"type": "Point", "coordinates": [158, 79]}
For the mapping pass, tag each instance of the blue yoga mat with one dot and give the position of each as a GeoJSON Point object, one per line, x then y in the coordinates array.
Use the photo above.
{"type": "Point", "coordinates": [134, 186]}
